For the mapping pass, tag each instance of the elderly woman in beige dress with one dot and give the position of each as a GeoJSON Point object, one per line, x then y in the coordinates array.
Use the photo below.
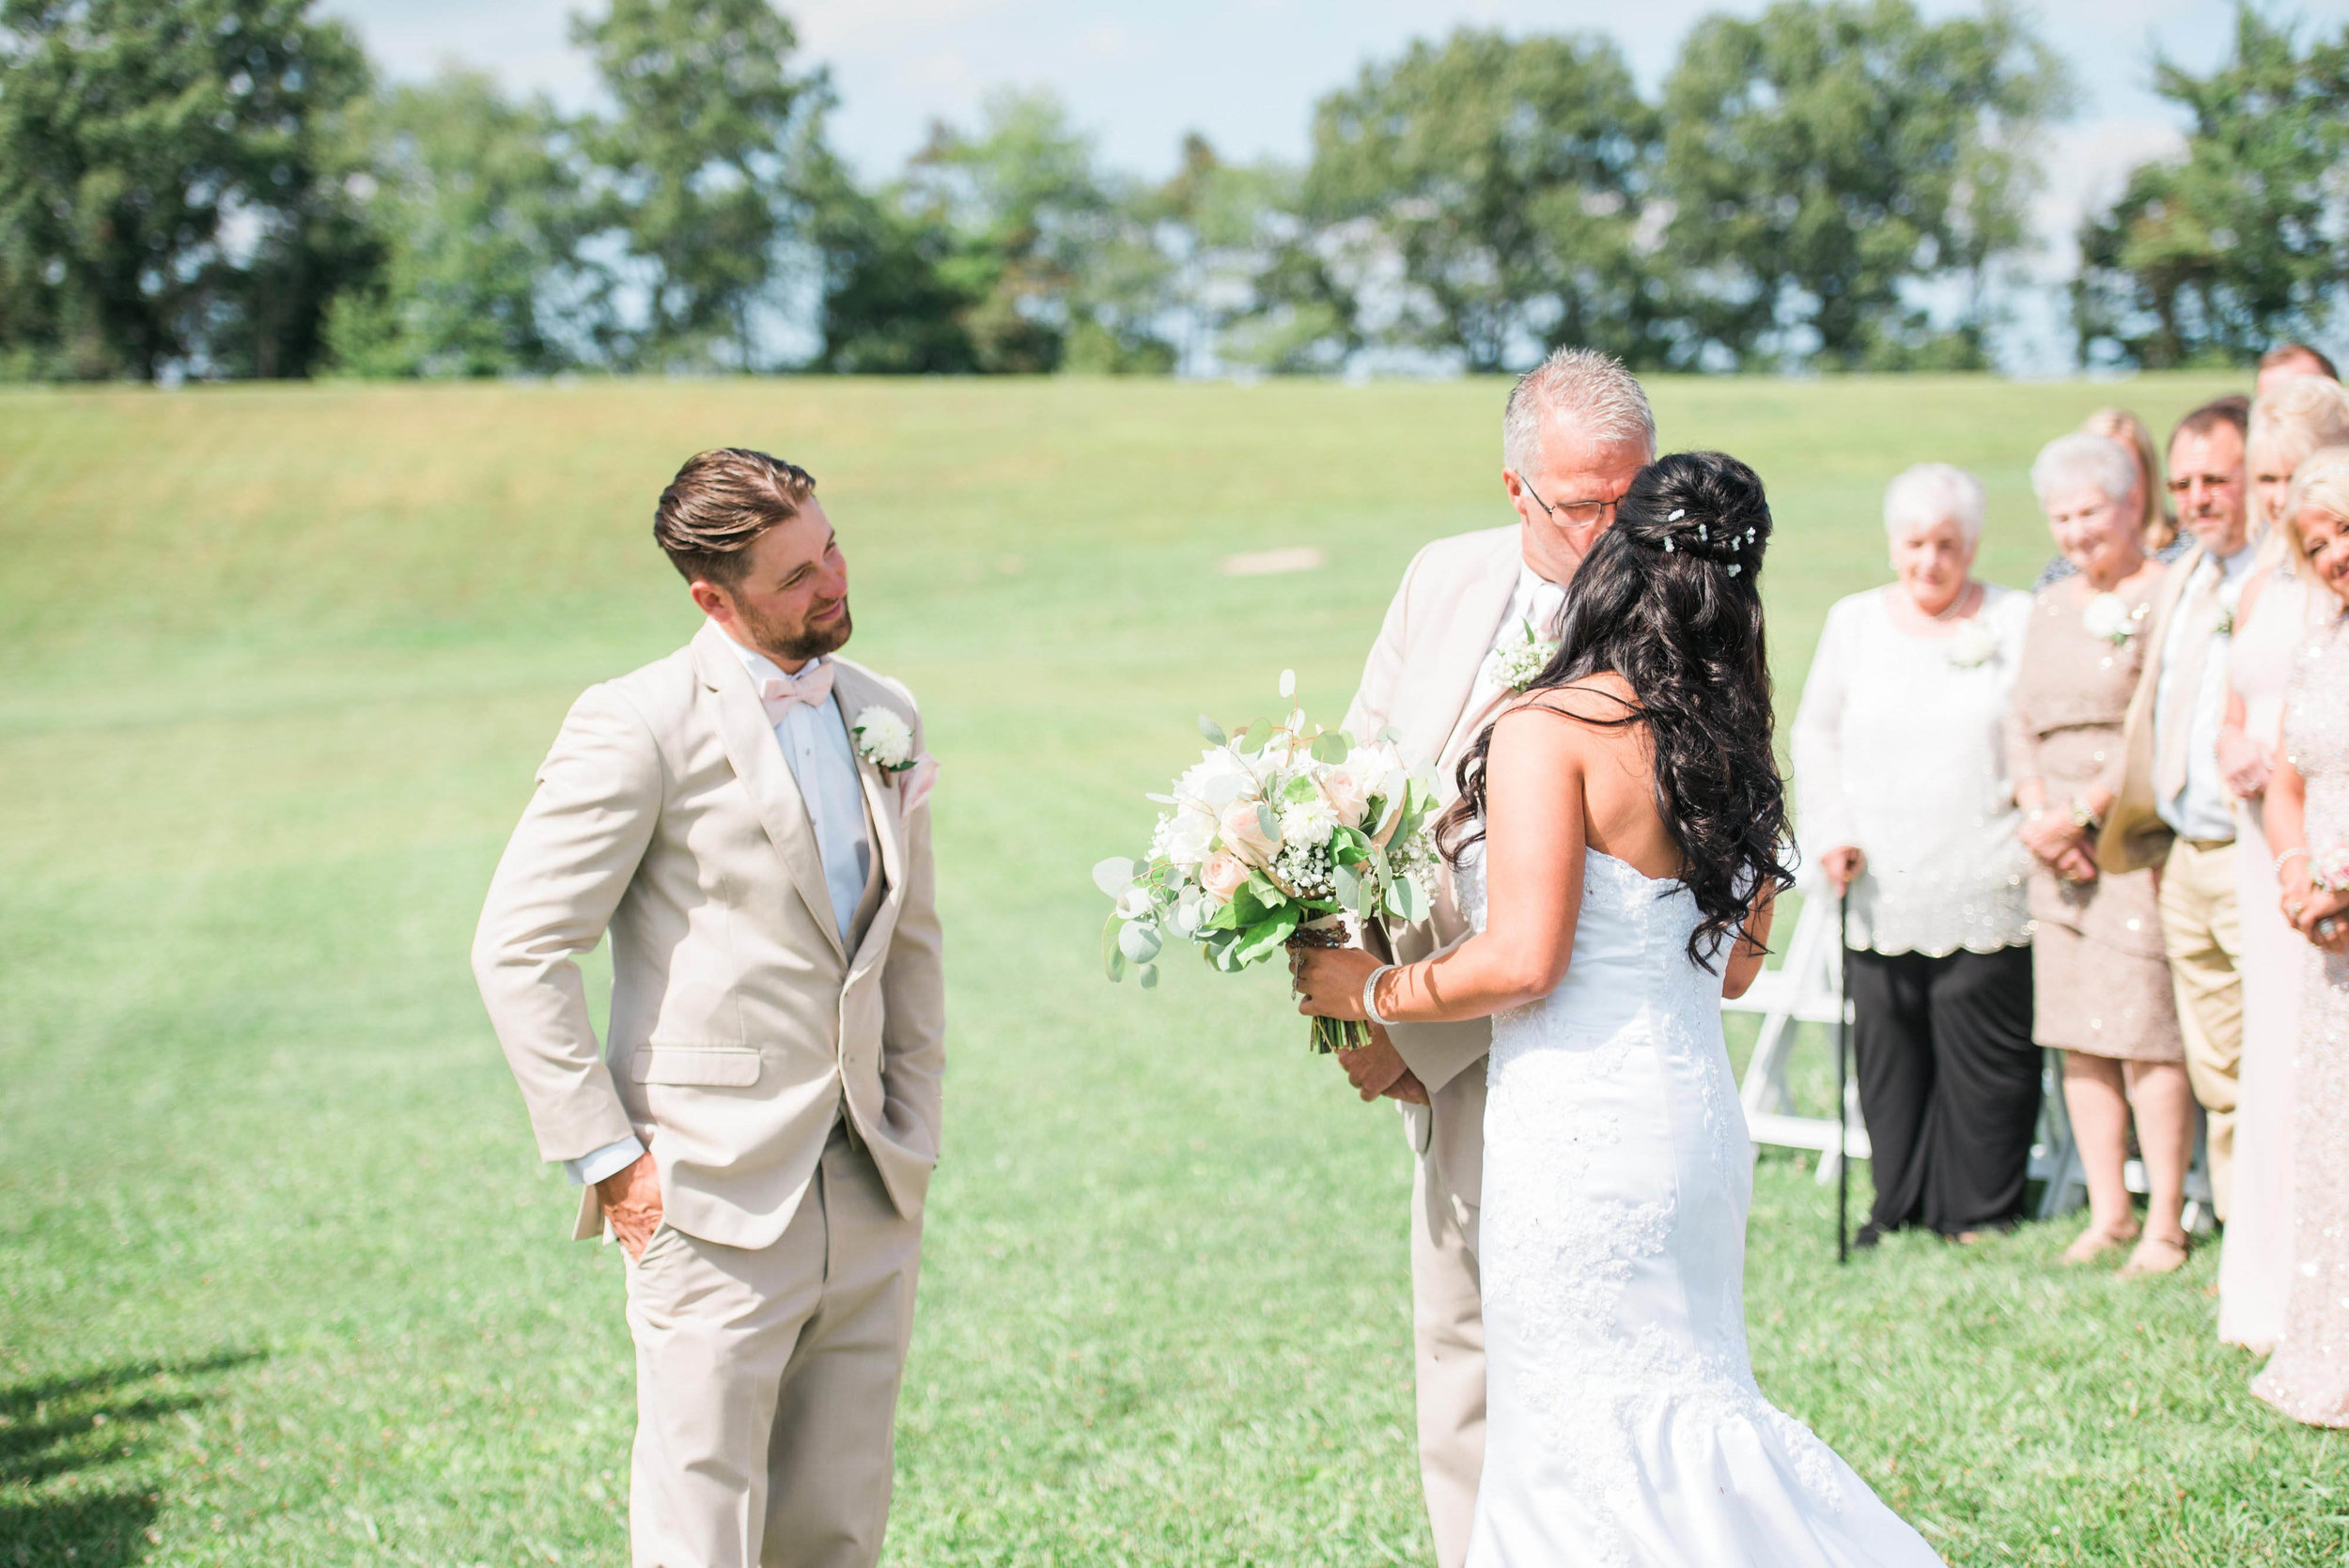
{"type": "Point", "coordinates": [2101, 983]}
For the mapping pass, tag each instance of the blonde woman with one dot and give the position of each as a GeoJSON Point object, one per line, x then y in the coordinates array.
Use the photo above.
{"type": "Point", "coordinates": [2308, 820]}
{"type": "Point", "coordinates": [2277, 613]}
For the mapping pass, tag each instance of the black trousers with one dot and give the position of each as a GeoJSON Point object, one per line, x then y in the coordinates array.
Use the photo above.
{"type": "Point", "coordinates": [1948, 1084]}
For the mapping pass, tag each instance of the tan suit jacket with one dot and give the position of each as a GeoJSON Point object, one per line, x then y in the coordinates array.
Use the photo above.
{"type": "Point", "coordinates": [2134, 835]}
{"type": "Point", "coordinates": [743, 1024]}
{"type": "Point", "coordinates": [1420, 677]}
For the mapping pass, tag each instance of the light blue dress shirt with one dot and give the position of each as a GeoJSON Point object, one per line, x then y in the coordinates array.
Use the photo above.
{"type": "Point", "coordinates": [2203, 808]}
{"type": "Point", "coordinates": [822, 759]}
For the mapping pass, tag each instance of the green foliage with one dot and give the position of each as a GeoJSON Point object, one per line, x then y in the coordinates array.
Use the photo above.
{"type": "Point", "coordinates": [480, 214]}
{"type": "Point", "coordinates": [2214, 257]}
{"type": "Point", "coordinates": [1509, 178]}
{"type": "Point", "coordinates": [694, 165]}
{"type": "Point", "coordinates": [171, 193]}
{"type": "Point", "coordinates": [1827, 156]}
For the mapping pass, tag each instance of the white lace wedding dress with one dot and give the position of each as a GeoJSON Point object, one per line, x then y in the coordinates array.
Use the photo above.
{"type": "Point", "coordinates": [1624, 1424]}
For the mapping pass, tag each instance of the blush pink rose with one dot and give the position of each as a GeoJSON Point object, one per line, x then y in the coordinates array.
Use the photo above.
{"type": "Point", "coordinates": [1245, 834]}
{"type": "Point", "coordinates": [1346, 797]}
{"type": "Point", "coordinates": [1222, 875]}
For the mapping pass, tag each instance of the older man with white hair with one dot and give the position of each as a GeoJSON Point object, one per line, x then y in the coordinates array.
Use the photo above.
{"type": "Point", "coordinates": [1468, 629]}
{"type": "Point", "coordinates": [1907, 804]}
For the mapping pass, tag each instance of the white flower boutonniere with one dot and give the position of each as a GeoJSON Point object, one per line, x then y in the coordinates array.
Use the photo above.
{"type": "Point", "coordinates": [2110, 620]}
{"type": "Point", "coordinates": [1514, 664]}
{"type": "Point", "coordinates": [1972, 645]}
{"type": "Point", "coordinates": [883, 739]}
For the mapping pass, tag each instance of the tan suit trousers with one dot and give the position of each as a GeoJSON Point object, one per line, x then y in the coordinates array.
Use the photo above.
{"type": "Point", "coordinates": [2204, 937]}
{"type": "Point", "coordinates": [767, 1382]}
{"type": "Point", "coordinates": [1448, 1332]}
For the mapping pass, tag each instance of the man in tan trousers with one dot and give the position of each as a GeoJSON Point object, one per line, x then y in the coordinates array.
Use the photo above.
{"type": "Point", "coordinates": [2163, 801]}
{"type": "Point", "coordinates": [746, 818]}
{"type": "Point", "coordinates": [1575, 433]}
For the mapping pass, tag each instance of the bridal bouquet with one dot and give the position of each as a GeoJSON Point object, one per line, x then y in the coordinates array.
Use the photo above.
{"type": "Point", "coordinates": [1279, 833]}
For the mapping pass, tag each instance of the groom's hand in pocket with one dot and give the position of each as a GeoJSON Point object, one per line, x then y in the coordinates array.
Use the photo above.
{"type": "Point", "coordinates": [632, 1203]}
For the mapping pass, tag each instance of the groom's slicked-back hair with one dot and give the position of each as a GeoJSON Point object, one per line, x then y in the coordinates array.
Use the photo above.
{"type": "Point", "coordinates": [718, 505]}
{"type": "Point", "coordinates": [1592, 391]}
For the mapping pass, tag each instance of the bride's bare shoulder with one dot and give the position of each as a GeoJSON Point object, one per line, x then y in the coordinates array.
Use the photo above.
{"type": "Point", "coordinates": [1603, 701]}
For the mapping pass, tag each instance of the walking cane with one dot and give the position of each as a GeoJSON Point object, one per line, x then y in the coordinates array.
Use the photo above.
{"type": "Point", "coordinates": [1842, 1040]}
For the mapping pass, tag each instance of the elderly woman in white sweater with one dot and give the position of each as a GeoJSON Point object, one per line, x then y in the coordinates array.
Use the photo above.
{"type": "Point", "coordinates": [1906, 804]}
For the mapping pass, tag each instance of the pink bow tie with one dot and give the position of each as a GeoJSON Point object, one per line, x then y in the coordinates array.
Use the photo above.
{"type": "Point", "coordinates": [812, 686]}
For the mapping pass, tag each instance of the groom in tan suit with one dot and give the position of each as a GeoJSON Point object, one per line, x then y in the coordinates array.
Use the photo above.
{"type": "Point", "coordinates": [746, 818]}
{"type": "Point", "coordinates": [1575, 433]}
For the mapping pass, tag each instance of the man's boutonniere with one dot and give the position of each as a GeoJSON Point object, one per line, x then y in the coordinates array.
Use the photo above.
{"type": "Point", "coordinates": [1517, 661]}
{"type": "Point", "coordinates": [2110, 620]}
{"type": "Point", "coordinates": [1972, 645]}
{"type": "Point", "coordinates": [885, 740]}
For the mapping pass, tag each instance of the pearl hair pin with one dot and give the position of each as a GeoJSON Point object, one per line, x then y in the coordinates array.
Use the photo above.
{"type": "Point", "coordinates": [1677, 516]}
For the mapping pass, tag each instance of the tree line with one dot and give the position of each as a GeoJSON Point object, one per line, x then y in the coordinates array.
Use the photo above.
{"type": "Point", "coordinates": [225, 188]}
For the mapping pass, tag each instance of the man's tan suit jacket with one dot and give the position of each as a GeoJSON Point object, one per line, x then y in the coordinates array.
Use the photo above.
{"type": "Point", "coordinates": [743, 1025]}
{"type": "Point", "coordinates": [2134, 835]}
{"type": "Point", "coordinates": [1419, 679]}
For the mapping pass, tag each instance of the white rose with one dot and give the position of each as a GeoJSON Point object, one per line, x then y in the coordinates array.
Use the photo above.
{"type": "Point", "coordinates": [1215, 780]}
{"type": "Point", "coordinates": [883, 739]}
{"type": "Point", "coordinates": [1188, 835]}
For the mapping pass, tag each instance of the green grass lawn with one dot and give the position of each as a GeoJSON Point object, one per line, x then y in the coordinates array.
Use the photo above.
{"type": "Point", "coordinates": [283, 1281]}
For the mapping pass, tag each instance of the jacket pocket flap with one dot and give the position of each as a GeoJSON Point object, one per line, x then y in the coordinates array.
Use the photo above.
{"type": "Point", "coordinates": [708, 1069]}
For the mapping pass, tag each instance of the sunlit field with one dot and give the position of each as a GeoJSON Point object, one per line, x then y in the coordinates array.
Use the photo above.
{"type": "Point", "coordinates": [280, 1278]}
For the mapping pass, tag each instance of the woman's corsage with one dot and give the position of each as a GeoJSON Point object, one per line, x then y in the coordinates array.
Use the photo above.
{"type": "Point", "coordinates": [2110, 620]}
{"type": "Point", "coordinates": [1972, 645]}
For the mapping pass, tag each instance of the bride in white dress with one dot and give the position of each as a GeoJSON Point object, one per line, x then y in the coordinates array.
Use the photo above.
{"type": "Point", "coordinates": [1624, 827]}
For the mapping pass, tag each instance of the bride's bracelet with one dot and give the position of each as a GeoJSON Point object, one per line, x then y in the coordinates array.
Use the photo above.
{"type": "Point", "coordinates": [1370, 997]}
{"type": "Point", "coordinates": [2299, 849]}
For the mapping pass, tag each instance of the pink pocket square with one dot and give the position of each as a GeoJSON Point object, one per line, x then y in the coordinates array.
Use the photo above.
{"type": "Point", "coordinates": [915, 782]}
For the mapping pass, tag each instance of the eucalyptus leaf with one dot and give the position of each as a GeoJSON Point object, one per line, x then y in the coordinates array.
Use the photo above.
{"type": "Point", "coordinates": [1117, 965]}
{"type": "Point", "coordinates": [1329, 748]}
{"type": "Point", "coordinates": [1213, 731]}
{"type": "Point", "coordinates": [1140, 941]}
{"type": "Point", "coordinates": [1264, 819]}
{"type": "Point", "coordinates": [1113, 876]}
{"type": "Point", "coordinates": [1288, 683]}
{"type": "Point", "coordinates": [1348, 888]}
{"type": "Point", "coordinates": [1149, 976]}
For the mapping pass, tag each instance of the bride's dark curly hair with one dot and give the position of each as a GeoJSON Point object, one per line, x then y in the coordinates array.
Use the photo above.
{"type": "Point", "coordinates": [1667, 599]}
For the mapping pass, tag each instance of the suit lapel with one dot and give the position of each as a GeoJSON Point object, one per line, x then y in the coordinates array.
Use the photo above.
{"type": "Point", "coordinates": [758, 761]}
{"type": "Point", "coordinates": [1473, 628]}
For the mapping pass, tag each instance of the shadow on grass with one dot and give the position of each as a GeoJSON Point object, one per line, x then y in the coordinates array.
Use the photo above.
{"type": "Point", "coordinates": [57, 1433]}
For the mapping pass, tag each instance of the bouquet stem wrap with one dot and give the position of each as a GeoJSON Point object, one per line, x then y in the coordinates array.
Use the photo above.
{"type": "Point", "coordinates": [1331, 1034]}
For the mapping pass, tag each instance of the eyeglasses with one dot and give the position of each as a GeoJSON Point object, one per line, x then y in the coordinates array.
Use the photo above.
{"type": "Point", "coordinates": [1578, 513]}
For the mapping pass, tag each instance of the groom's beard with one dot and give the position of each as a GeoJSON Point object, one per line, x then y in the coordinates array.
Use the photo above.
{"type": "Point", "coordinates": [794, 642]}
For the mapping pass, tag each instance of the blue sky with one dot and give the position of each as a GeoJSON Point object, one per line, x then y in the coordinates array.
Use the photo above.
{"type": "Point", "coordinates": [1246, 73]}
